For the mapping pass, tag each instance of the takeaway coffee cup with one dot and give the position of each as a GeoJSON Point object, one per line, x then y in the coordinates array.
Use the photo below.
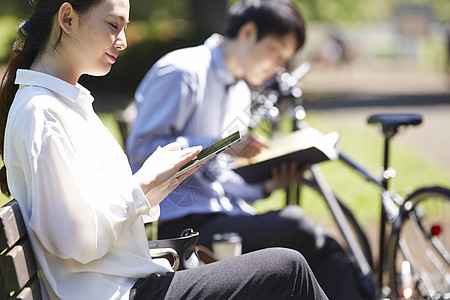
{"type": "Point", "coordinates": [226, 245]}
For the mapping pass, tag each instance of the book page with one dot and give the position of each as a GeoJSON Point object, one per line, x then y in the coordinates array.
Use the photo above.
{"type": "Point", "coordinates": [301, 139]}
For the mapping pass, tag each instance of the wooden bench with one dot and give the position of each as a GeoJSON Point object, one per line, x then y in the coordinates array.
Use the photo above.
{"type": "Point", "coordinates": [18, 271]}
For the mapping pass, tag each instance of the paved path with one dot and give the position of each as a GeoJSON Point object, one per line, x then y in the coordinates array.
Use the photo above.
{"type": "Point", "coordinates": [376, 80]}
{"type": "Point", "coordinates": [432, 137]}
{"type": "Point", "coordinates": [359, 92]}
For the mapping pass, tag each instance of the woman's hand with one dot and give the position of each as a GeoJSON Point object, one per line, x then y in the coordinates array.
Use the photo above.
{"type": "Point", "coordinates": [158, 193]}
{"type": "Point", "coordinates": [161, 166]}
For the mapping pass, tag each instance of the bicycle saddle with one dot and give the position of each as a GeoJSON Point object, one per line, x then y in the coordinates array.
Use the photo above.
{"type": "Point", "coordinates": [391, 122]}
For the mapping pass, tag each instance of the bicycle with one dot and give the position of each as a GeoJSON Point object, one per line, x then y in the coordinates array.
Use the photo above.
{"type": "Point", "coordinates": [414, 235]}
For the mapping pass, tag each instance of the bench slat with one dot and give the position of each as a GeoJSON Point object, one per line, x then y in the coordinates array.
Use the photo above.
{"type": "Point", "coordinates": [18, 266]}
{"type": "Point", "coordinates": [12, 227]}
{"type": "Point", "coordinates": [17, 263]}
{"type": "Point", "coordinates": [30, 292]}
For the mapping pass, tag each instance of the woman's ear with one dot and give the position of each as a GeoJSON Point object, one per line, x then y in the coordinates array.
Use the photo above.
{"type": "Point", "coordinates": [248, 32]}
{"type": "Point", "coordinates": [66, 16]}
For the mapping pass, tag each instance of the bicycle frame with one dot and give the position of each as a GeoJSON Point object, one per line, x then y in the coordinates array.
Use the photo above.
{"type": "Point", "coordinates": [273, 96]}
{"type": "Point", "coordinates": [395, 210]}
{"type": "Point", "coordinates": [341, 221]}
{"type": "Point", "coordinates": [389, 207]}
{"type": "Point", "coordinates": [325, 190]}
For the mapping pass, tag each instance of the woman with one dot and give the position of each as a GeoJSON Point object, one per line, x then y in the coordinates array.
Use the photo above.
{"type": "Point", "coordinates": [82, 206]}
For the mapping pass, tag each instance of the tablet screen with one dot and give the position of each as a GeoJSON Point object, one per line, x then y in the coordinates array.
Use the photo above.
{"type": "Point", "coordinates": [209, 152]}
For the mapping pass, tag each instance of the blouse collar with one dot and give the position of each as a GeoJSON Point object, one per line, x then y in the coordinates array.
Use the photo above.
{"type": "Point", "coordinates": [72, 92]}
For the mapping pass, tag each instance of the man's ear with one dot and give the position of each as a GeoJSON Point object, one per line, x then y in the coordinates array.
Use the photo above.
{"type": "Point", "coordinates": [66, 16]}
{"type": "Point", "coordinates": [248, 31]}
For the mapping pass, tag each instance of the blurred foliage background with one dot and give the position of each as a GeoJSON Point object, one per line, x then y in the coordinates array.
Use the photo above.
{"type": "Point", "coordinates": [415, 32]}
{"type": "Point", "coordinates": [349, 43]}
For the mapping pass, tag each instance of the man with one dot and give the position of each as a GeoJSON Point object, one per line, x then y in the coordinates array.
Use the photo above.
{"type": "Point", "coordinates": [200, 94]}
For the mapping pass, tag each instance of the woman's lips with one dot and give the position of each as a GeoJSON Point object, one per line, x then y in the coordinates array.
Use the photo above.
{"type": "Point", "coordinates": [112, 57]}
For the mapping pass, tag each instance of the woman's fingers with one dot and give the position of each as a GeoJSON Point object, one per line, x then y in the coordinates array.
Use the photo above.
{"type": "Point", "coordinates": [172, 146]}
{"type": "Point", "coordinates": [190, 172]}
{"type": "Point", "coordinates": [189, 154]}
{"type": "Point", "coordinates": [163, 164]}
{"type": "Point", "coordinates": [158, 193]}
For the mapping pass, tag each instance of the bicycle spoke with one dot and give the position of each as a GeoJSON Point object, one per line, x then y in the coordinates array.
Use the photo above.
{"type": "Point", "coordinates": [437, 244]}
{"type": "Point", "coordinates": [440, 248]}
{"type": "Point", "coordinates": [423, 241]}
{"type": "Point", "coordinates": [419, 270]}
{"type": "Point", "coordinates": [424, 238]}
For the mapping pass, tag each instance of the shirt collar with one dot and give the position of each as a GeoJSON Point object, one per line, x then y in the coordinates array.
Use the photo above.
{"type": "Point", "coordinates": [218, 59]}
{"type": "Point", "coordinates": [65, 89]}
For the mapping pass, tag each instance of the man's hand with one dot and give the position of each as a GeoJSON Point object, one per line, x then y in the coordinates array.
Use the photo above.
{"type": "Point", "coordinates": [248, 147]}
{"type": "Point", "coordinates": [283, 175]}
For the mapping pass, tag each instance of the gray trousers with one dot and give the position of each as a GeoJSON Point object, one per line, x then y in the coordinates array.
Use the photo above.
{"type": "Point", "coordinates": [273, 273]}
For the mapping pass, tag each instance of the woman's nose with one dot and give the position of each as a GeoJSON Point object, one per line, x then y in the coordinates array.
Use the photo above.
{"type": "Point", "coordinates": [121, 41]}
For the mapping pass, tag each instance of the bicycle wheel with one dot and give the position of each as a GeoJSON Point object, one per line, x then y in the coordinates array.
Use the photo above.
{"type": "Point", "coordinates": [418, 255]}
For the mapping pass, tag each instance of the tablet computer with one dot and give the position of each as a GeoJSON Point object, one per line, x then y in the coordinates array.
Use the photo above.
{"type": "Point", "coordinates": [209, 152]}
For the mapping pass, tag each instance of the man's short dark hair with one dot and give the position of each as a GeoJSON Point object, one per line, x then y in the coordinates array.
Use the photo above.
{"type": "Point", "coordinates": [277, 17]}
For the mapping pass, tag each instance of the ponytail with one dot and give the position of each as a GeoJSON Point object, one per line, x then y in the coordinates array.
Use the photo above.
{"type": "Point", "coordinates": [33, 38]}
{"type": "Point", "coordinates": [21, 57]}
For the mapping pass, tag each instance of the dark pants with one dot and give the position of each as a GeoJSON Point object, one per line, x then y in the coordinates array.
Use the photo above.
{"type": "Point", "coordinates": [274, 273]}
{"type": "Point", "coordinates": [289, 228]}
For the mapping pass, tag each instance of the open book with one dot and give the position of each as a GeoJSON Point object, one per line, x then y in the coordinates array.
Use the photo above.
{"type": "Point", "coordinates": [307, 145]}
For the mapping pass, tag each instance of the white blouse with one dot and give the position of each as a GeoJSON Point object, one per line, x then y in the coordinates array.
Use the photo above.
{"type": "Point", "coordinates": [81, 206]}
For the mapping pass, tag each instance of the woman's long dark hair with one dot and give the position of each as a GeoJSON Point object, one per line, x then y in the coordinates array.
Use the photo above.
{"type": "Point", "coordinates": [33, 38]}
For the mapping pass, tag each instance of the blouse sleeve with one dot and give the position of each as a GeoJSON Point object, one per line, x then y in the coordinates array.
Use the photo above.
{"type": "Point", "coordinates": [74, 216]}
